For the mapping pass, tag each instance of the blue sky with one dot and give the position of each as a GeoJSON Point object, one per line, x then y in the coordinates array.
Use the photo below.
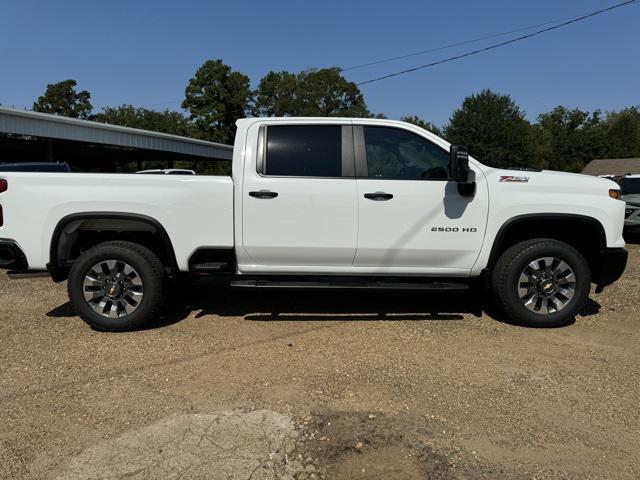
{"type": "Point", "coordinates": [144, 52]}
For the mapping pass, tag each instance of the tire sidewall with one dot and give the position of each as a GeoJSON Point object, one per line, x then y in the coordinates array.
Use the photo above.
{"type": "Point", "coordinates": [153, 290]}
{"type": "Point", "coordinates": [583, 284]}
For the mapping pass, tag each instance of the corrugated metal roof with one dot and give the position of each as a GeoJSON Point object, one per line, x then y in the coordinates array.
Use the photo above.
{"type": "Point", "coordinates": [612, 166]}
{"type": "Point", "coordinates": [26, 122]}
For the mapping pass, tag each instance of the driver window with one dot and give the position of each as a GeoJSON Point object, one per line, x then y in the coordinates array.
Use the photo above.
{"type": "Point", "coordinates": [393, 153]}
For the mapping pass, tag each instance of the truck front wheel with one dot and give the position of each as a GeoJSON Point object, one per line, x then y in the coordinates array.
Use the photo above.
{"type": "Point", "coordinates": [117, 286]}
{"type": "Point", "coordinates": [541, 282]}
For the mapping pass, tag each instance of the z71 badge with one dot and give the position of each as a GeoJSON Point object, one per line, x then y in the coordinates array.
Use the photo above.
{"type": "Point", "coordinates": [511, 178]}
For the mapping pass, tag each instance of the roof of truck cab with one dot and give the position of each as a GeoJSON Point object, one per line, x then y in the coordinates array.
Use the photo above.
{"type": "Point", "coordinates": [321, 119]}
{"type": "Point", "coordinates": [46, 125]}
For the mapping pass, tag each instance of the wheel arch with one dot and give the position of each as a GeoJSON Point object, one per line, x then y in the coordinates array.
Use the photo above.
{"type": "Point", "coordinates": [128, 223]}
{"type": "Point", "coordinates": [584, 233]}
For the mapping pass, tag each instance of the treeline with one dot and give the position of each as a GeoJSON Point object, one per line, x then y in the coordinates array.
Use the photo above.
{"type": "Point", "coordinates": [491, 124]}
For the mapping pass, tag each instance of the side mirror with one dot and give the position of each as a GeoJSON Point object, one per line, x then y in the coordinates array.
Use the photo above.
{"type": "Point", "coordinates": [459, 163]}
{"type": "Point", "coordinates": [459, 170]}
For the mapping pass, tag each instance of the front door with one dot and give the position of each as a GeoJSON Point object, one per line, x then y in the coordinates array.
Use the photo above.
{"type": "Point", "coordinates": [411, 217]}
{"type": "Point", "coordinates": [299, 206]}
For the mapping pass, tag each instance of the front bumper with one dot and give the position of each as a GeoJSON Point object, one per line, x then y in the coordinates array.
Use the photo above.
{"type": "Point", "coordinates": [11, 257]}
{"type": "Point", "coordinates": [613, 261]}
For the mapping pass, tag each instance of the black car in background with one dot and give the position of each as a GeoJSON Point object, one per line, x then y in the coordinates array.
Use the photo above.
{"type": "Point", "coordinates": [35, 167]}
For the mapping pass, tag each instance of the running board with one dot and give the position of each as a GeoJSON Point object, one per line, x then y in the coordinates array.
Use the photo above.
{"type": "Point", "coordinates": [436, 285]}
{"type": "Point", "coordinates": [210, 267]}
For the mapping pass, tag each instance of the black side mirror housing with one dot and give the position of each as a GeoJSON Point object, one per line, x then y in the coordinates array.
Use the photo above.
{"type": "Point", "coordinates": [459, 163]}
{"type": "Point", "coordinates": [459, 170]}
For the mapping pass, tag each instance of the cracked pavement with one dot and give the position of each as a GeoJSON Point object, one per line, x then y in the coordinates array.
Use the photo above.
{"type": "Point", "coordinates": [196, 446]}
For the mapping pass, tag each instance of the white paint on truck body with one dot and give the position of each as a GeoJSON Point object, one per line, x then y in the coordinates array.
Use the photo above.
{"type": "Point", "coordinates": [195, 211]}
{"type": "Point", "coordinates": [315, 225]}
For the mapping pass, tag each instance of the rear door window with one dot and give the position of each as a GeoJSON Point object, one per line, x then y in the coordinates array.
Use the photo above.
{"type": "Point", "coordinates": [304, 151]}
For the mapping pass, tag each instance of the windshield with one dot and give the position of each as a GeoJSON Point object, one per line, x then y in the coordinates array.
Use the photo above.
{"type": "Point", "coordinates": [630, 186]}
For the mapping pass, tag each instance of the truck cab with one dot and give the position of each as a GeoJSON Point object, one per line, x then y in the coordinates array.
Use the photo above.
{"type": "Point", "coordinates": [336, 197]}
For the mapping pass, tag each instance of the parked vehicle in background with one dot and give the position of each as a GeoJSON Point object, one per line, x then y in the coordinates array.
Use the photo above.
{"type": "Point", "coordinates": [320, 203]}
{"type": "Point", "coordinates": [167, 171]}
{"type": "Point", "coordinates": [630, 193]}
{"type": "Point", "coordinates": [35, 167]}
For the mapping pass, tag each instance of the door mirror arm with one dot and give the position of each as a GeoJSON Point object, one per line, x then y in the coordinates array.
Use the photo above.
{"type": "Point", "coordinates": [459, 170]}
{"type": "Point", "coordinates": [467, 189]}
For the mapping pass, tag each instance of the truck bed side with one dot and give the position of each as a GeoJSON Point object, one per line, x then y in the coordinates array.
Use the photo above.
{"type": "Point", "coordinates": [195, 211]}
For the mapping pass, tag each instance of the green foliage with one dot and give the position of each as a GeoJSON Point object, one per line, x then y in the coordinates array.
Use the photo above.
{"type": "Point", "coordinates": [494, 129]}
{"type": "Point", "coordinates": [498, 134]}
{"type": "Point", "coordinates": [621, 133]}
{"type": "Point", "coordinates": [166, 121]}
{"type": "Point", "coordinates": [415, 120]}
{"type": "Point", "coordinates": [215, 98]}
{"type": "Point", "coordinates": [277, 95]}
{"type": "Point", "coordinates": [62, 99]}
{"type": "Point", "coordinates": [327, 93]}
{"type": "Point", "coordinates": [311, 93]}
{"type": "Point", "coordinates": [574, 137]}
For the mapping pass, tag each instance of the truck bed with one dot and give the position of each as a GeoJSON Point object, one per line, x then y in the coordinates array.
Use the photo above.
{"type": "Point", "coordinates": [35, 203]}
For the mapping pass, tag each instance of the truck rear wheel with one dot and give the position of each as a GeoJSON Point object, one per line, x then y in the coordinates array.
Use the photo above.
{"type": "Point", "coordinates": [117, 286]}
{"type": "Point", "coordinates": [541, 282]}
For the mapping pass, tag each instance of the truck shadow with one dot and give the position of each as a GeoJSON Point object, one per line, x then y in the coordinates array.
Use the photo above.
{"type": "Point", "coordinates": [632, 236]}
{"type": "Point", "coordinates": [342, 305]}
{"type": "Point", "coordinates": [203, 299]}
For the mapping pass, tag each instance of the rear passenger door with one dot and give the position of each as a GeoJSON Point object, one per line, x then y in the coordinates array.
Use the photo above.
{"type": "Point", "coordinates": [299, 205]}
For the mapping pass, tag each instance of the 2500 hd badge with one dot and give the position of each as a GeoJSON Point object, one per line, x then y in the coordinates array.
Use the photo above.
{"type": "Point", "coordinates": [454, 229]}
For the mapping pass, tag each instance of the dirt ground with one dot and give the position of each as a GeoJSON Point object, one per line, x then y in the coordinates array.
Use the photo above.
{"type": "Point", "coordinates": [319, 385]}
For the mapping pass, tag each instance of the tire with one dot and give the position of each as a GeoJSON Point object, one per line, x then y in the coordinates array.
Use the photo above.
{"type": "Point", "coordinates": [528, 291]}
{"type": "Point", "coordinates": [136, 297]}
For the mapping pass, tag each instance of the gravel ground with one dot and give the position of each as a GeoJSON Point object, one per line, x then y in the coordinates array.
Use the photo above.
{"type": "Point", "coordinates": [369, 385]}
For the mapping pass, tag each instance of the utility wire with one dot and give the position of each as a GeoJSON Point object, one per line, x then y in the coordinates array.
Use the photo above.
{"type": "Point", "coordinates": [466, 42]}
{"type": "Point", "coordinates": [501, 44]}
{"type": "Point", "coordinates": [452, 45]}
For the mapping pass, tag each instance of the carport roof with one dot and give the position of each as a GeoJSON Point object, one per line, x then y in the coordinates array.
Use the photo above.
{"type": "Point", "coordinates": [612, 166]}
{"type": "Point", "coordinates": [26, 122]}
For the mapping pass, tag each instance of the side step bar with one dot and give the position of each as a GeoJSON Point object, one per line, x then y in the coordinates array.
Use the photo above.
{"type": "Point", "coordinates": [210, 267]}
{"type": "Point", "coordinates": [436, 285]}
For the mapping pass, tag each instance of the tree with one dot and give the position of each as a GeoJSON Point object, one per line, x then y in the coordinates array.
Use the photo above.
{"type": "Point", "coordinates": [310, 93]}
{"type": "Point", "coordinates": [621, 132]}
{"type": "Point", "coordinates": [62, 99]}
{"type": "Point", "coordinates": [327, 93]}
{"type": "Point", "coordinates": [129, 116]}
{"type": "Point", "coordinates": [277, 95]}
{"type": "Point", "coordinates": [216, 97]}
{"type": "Point", "coordinates": [415, 120]}
{"type": "Point", "coordinates": [575, 137]}
{"type": "Point", "coordinates": [495, 130]}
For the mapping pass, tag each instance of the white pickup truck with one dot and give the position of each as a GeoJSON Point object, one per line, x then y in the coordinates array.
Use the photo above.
{"type": "Point", "coordinates": [319, 203]}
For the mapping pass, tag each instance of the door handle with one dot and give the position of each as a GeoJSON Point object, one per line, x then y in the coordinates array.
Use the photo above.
{"type": "Point", "coordinates": [378, 196]}
{"type": "Point", "coordinates": [263, 194]}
